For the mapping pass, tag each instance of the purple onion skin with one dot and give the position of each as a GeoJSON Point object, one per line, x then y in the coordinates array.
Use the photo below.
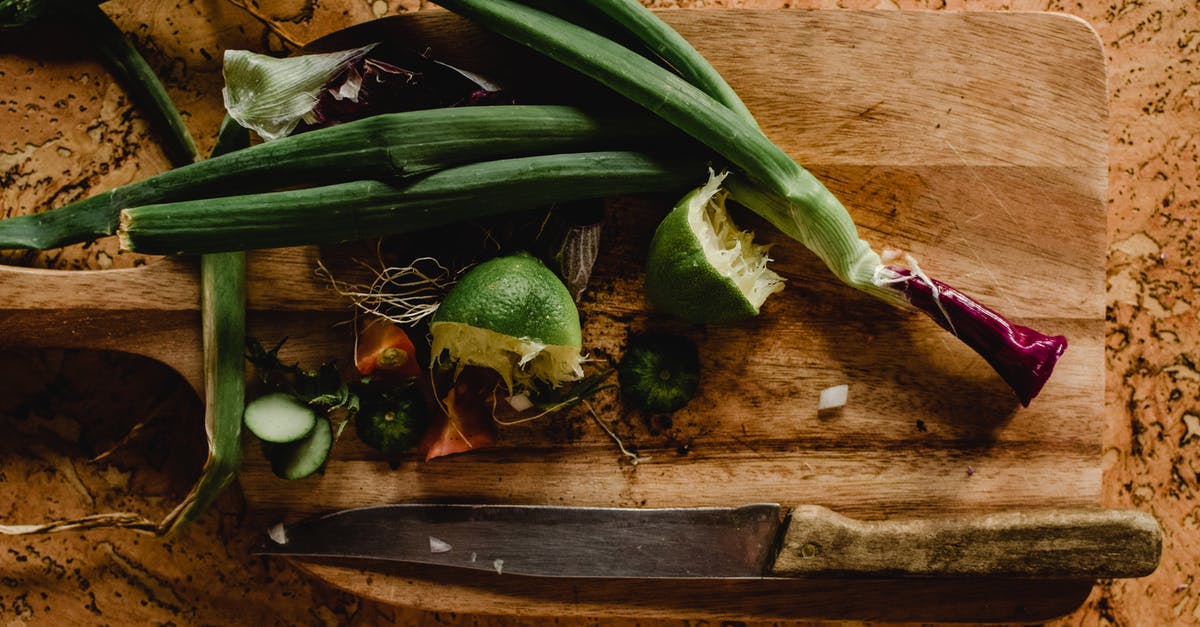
{"type": "Point", "coordinates": [1023, 357]}
{"type": "Point", "coordinates": [395, 79]}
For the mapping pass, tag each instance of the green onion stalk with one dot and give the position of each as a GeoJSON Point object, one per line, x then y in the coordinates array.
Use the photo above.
{"type": "Point", "coordinates": [223, 335]}
{"type": "Point", "coordinates": [369, 208]}
{"type": "Point", "coordinates": [775, 187]}
{"type": "Point", "coordinates": [387, 147]}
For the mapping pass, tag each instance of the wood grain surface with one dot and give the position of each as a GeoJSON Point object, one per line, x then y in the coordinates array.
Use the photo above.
{"type": "Point", "coordinates": [884, 106]}
{"type": "Point", "coordinates": [161, 586]}
{"type": "Point", "coordinates": [885, 90]}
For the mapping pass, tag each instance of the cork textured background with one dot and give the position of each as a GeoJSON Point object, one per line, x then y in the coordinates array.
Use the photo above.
{"type": "Point", "coordinates": [60, 409]}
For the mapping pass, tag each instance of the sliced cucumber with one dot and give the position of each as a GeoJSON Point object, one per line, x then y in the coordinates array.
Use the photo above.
{"type": "Point", "coordinates": [279, 418]}
{"type": "Point", "coordinates": [298, 460]}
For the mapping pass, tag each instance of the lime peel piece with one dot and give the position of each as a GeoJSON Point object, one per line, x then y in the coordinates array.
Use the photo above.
{"type": "Point", "coordinates": [518, 360]}
{"type": "Point", "coordinates": [512, 315]}
{"type": "Point", "coordinates": [701, 267]}
{"type": "Point", "coordinates": [729, 250]}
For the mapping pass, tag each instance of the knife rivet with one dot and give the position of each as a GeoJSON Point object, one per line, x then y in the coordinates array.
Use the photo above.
{"type": "Point", "coordinates": [809, 550]}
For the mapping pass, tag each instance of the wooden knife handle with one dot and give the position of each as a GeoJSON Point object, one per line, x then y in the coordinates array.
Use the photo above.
{"type": "Point", "coordinates": [1040, 544]}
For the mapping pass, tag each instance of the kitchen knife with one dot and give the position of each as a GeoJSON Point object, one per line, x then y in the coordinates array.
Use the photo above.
{"type": "Point", "coordinates": [752, 541]}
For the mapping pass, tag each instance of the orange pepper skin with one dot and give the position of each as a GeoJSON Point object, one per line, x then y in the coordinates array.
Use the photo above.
{"type": "Point", "coordinates": [463, 421]}
{"type": "Point", "coordinates": [384, 348]}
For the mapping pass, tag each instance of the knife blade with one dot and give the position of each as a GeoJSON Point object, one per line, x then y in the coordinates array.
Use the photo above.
{"type": "Point", "coordinates": [753, 541]}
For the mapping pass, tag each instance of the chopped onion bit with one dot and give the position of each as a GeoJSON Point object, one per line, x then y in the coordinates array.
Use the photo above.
{"type": "Point", "coordinates": [834, 397]}
{"type": "Point", "coordinates": [520, 402]}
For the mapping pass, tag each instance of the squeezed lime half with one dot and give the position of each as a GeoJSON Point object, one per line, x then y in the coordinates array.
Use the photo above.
{"type": "Point", "coordinates": [702, 268]}
{"type": "Point", "coordinates": [513, 315]}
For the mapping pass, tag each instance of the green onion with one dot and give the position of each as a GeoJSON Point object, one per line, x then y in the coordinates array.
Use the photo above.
{"type": "Point", "coordinates": [223, 333]}
{"type": "Point", "coordinates": [780, 191]}
{"type": "Point", "coordinates": [809, 213]}
{"type": "Point", "coordinates": [362, 209]}
{"type": "Point", "coordinates": [669, 45]}
{"type": "Point", "coordinates": [380, 147]}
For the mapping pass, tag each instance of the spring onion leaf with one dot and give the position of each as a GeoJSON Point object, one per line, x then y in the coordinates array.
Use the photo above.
{"type": "Point", "coordinates": [386, 147]}
{"type": "Point", "coordinates": [223, 332]}
{"type": "Point", "coordinates": [363, 209]}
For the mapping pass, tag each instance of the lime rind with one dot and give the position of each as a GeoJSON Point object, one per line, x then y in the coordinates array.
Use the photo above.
{"type": "Point", "coordinates": [512, 315]}
{"type": "Point", "coordinates": [519, 361]}
{"type": "Point", "coordinates": [702, 268]}
{"type": "Point", "coordinates": [728, 249]}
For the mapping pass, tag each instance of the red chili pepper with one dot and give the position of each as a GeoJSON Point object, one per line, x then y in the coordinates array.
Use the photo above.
{"type": "Point", "coordinates": [464, 421]}
{"type": "Point", "coordinates": [384, 346]}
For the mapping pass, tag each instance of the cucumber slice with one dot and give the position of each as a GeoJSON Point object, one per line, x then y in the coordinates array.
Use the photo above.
{"type": "Point", "coordinates": [279, 418]}
{"type": "Point", "coordinates": [298, 460]}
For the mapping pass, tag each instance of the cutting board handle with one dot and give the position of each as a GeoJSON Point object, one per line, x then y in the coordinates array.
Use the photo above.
{"type": "Point", "coordinates": [150, 310]}
{"type": "Point", "coordinates": [1039, 544]}
{"type": "Point", "coordinates": [154, 310]}
{"type": "Point", "coordinates": [155, 287]}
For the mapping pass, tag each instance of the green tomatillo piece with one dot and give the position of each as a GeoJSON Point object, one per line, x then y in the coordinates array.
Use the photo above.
{"type": "Point", "coordinates": [659, 372]}
{"type": "Point", "coordinates": [392, 422]}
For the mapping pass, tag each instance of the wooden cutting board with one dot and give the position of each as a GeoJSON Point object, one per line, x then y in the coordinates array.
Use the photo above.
{"type": "Point", "coordinates": [974, 141]}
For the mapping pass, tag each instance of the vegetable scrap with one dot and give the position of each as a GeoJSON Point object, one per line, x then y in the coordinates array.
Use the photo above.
{"type": "Point", "coordinates": [278, 533]}
{"type": "Point", "coordinates": [382, 348]}
{"type": "Point", "coordinates": [833, 397]}
{"type": "Point", "coordinates": [632, 456]}
{"type": "Point", "coordinates": [305, 457]}
{"type": "Point", "coordinates": [405, 295]}
{"type": "Point", "coordinates": [392, 419]}
{"type": "Point", "coordinates": [701, 268]}
{"type": "Point", "coordinates": [276, 96]}
{"type": "Point", "coordinates": [464, 421]}
{"type": "Point", "coordinates": [279, 418]}
{"type": "Point", "coordinates": [270, 96]}
{"type": "Point", "coordinates": [293, 419]}
{"type": "Point", "coordinates": [659, 372]}
{"type": "Point", "coordinates": [437, 545]}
